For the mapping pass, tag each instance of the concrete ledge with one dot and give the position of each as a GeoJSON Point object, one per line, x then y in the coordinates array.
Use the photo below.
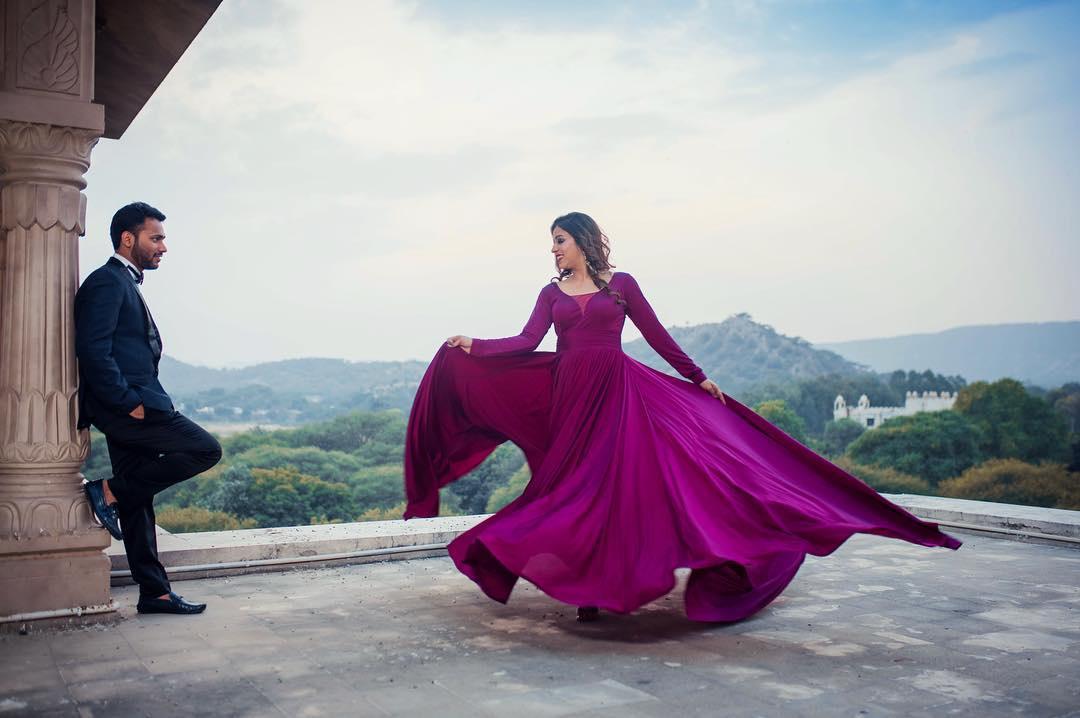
{"type": "Point", "coordinates": [198, 555]}
{"type": "Point", "coordinates": [215, 553]}
{"type": "Point", "coordinates": [989, 515]}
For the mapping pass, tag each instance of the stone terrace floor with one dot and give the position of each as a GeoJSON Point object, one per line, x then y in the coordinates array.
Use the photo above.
{"type": "Point", "coordinates": [880, 628]}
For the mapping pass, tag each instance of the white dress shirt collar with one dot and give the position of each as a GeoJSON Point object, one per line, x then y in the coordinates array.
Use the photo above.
{"type": "Point", "coordinates": [127, 263]}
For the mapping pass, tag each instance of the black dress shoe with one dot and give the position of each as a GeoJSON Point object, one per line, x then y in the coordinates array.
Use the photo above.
{"type": "Point", "coordinates": [588, 614]}
{"type": "Point", "coordinates": [105, 513]}
{"type": "Point", "coordinates": [172, 604]}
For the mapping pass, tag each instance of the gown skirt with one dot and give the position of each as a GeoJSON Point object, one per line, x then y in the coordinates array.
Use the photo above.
{"type": "Point", "coordinates": [635, 474]}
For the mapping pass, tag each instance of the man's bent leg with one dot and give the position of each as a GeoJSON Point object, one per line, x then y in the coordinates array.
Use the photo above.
{"type": "Point", "coordinates": [148, 456]}
{"type": "Point", "coordinates": [169, 448]}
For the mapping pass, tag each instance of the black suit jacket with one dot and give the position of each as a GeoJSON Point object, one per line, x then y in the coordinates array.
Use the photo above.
{"type": "Point", "coordinates": [118, 361]}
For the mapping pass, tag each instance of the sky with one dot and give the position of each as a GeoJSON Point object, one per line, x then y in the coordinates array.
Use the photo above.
{"type": "Point", "coordinates": [362, 180]}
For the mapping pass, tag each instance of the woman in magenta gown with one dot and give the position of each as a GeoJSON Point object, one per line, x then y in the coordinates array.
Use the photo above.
{"type": "Point", "coordinates": [634, 473]}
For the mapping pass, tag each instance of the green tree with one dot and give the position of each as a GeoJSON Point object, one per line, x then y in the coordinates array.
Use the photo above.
{"type": "Point", "coordinates": [352, 432]}
{"type": "Point", "coordinates": [373, 438]}
{"type": "Point", "coordinates": [378, 487]}
{"type": "Point", "coordinates": [474, 489]}
{"type": "Point", "coordinates": [189, 519]}
{"type": "Point", "coordinates": [360, 452]}
{"type": "Point", "coordinates": [395, 512]}
{"type": "Point", "coordinates": [885, 480]}
{"type": "Point", "coordinates": [777, 413]}
{"type": "Point", "coordinates": [280, 497]}
{"type": "Point", "coordinates": [1066, 399]}
{"type": "Point", "coordinates": [1014, 423]}
{"type": "Point", "coordinates": [812, 399]}
{"type": "Point", "coordinates": [236, 444]}
{"type": "Point", "coordinates": [1017, 482]}
{"type": "Point", "coordinates": [503, 495]}
{"type": "Point", "coordinates": [930, 445]}
{"type": "Point", "coordinates": [195, 491]}
{"type": "Point", "coordinates": [97, 464]}
{"type": "Point", "coordinates": [333, 466]}
{"type": "Point", "coordinates": [901, 382]}
{"type": "Point", "coordinates": [379, 513]}
{"type": "Point", "coordinates": [840, 434]}
{"type": "Point", "coordinates": [379, 453]}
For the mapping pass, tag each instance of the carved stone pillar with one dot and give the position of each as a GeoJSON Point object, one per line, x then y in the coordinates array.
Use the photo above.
{"type": "Point", "coordinates": [50, 550]}
{"type": "Point", "coordinates": [51, 559]}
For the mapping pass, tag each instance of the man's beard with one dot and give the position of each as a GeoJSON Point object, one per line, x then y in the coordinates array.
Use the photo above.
{"type": "Point", "coordinates": [143, 260]}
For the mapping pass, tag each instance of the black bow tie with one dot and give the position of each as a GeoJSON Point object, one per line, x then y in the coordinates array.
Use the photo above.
{"type": "Point", "coordinates": [136, 274]}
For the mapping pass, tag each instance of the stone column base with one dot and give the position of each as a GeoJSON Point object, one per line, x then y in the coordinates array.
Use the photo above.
{"type": "Point", "coordinates": [39, 586]}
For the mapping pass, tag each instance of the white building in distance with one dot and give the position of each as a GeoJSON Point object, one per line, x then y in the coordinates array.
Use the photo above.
{"type": "Point", "coordinates": [873, 416]}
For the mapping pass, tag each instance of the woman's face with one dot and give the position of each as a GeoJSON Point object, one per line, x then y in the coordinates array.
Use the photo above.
{"type": "Point", "coordinates": [567, 253]}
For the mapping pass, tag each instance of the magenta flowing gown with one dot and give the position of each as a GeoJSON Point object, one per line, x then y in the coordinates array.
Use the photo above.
{"type": "Point", "coordinates": [634, 473]}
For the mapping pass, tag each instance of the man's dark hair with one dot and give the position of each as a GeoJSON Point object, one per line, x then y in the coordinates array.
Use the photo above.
{"type": "Point", "coordinates": [130, 218]}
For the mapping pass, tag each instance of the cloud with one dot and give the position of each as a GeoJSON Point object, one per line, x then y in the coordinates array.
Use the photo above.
{"type": "Point", "coordinates": [361, 180]}
{"type": "Point", "coordinates": [999, 63]}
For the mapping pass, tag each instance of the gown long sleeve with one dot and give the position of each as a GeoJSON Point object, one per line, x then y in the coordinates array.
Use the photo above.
{"type": "Point", "coordinates": [530, 337]}
{"type": "Point", "coordinates": [644, 318]}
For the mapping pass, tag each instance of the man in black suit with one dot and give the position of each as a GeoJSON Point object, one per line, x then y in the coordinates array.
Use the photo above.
{"type": "Point", "coordinates": [151, 445]}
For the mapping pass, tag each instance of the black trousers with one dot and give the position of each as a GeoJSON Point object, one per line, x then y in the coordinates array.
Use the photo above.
{"type": "Point", "coordinates": [148, 456]}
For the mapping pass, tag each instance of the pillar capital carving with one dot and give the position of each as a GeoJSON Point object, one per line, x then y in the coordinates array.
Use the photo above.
{"type": "Point", "coordinates": [47, 154]}
{"type": "Point", "coordinates": [36, 139]}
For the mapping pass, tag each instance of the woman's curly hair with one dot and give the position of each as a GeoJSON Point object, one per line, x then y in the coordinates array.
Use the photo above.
{"type": "Point", "coordinates": [594, 244]}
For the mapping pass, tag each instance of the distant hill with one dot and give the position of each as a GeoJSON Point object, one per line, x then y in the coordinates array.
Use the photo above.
{"type": "Point", "coordinates": [293, 391]}
{"type": "Point", "coordinates": [1046, 354]}
{"type": "Point", "coordinates": [738, 353]}
{"type": "Point", "coordinates": [308, 377]}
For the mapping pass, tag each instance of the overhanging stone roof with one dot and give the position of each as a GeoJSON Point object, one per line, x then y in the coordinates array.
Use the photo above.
{"type": "Point", "coordinates": [136, 45]}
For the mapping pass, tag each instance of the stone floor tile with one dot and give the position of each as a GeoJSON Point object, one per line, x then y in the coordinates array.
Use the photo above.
{"type": "Point", "coordinates": [417, 698]}
{"type": "Point", "coordinates": [100, 691]}
{"type": "Point", "coordinates": [37, 703]}
{"type": "Point", "coordinates": [185, 661]}
{"type": "Point", "coordinates": [601, 694]}
{"type": "Point", "coordinates": [18, 677]}
{"type": "Point", "coordinates": [532, 704]}
{"type": "Point", "coordinates": [315, 694]}
{"type": "Point", "coordinates": [80, 647]}
{"type": "Point", "coordinates": [119, 669]}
